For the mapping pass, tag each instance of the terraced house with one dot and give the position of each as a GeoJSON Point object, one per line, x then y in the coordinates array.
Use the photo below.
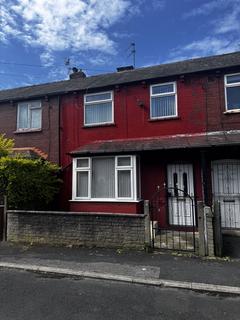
{"type": "Point", "coordinates": [168, 133]}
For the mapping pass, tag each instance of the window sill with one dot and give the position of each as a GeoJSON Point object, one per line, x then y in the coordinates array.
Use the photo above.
{"type": "Point", "coordinates": [232, 111]}
{"type": "Point", "coordinates": [164, 119]}
{"type": "Point", "coordinates": [86, 126]}
{"type": "Point", "coordinates": [27, 131]}
{"type": "Point", "coordinates": [105, 200]}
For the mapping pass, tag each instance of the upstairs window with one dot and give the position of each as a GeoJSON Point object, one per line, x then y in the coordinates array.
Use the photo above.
{"type": "Point", "coordinates": [105, 178]}
{"type": "Point", "coordinates": [232, 91]}
{"type": "Point", "coordinates": [98, 108]}
{"type": "Point", "coordinates": [29, 116]}
{"type": "Point", "coordinates": [163, 100]}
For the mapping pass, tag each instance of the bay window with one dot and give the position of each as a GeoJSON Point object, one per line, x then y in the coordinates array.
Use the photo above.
{"type": "Point", "coordinates": [105, 178]}
{"type": "Point", "coordinates": [163, 100]}
{"type": "Point", "coordinates": [232, 92]}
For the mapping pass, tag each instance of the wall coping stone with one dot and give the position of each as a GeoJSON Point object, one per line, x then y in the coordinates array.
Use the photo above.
{"type": "Point", "coordinates": [66, 213]}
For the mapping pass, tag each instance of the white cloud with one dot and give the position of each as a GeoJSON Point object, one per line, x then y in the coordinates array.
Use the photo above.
{"type": "Point", "coordinates": [229, 22]}
{"type": "Point", "coordinates": [210, 7]}
{"type": "Point", "coordinates": [223, 31]}
{"type": "Point", "coordinates": [204, 47]}
{"type": "Point", "coordinates": [98, 60]}
{"type": "Point", "coordinates": [76, 25]}
{"type": "Point", "coordinates": [47, 58]}
{"type": "Point", "coordinates": [204, 9]}
{"type": "Point", "coordinates": [122, 35]}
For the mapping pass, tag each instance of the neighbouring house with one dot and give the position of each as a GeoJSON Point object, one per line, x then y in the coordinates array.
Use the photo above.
{"type": "Point", "coordinates": [121, 138]}
{"type": "Point", "coordinates": [31, 117]}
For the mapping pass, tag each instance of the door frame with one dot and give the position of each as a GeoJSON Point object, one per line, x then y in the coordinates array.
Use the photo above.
{"type": "Point", "coordinates": [185, 162]}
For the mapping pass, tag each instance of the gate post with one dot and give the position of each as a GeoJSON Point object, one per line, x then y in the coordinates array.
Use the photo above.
{"type": "Point", "coordinates": [5, 218]}
{"type": "Point", "coordinates": [209, 231]}
{"type": "Point", "coordinates": [148, 231]}
{"type": "Point", "coordinates": [201, 229]}
{"type": "Point", "coordinates": [217, 229]}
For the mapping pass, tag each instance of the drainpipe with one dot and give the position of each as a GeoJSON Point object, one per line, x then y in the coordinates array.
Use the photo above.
{"type": "Point", "coordinates": [59, 131]}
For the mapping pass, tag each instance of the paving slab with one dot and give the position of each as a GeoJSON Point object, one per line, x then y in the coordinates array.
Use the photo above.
{"type": "Point", "coordinates": [138, 264]}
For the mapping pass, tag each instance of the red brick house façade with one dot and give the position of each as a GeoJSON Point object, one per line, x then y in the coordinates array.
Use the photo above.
{"type": "Point", "coordinates": [121, 136]}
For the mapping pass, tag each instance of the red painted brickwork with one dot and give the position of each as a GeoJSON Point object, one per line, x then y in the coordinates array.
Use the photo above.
{"type": "Point", "coordinates": [216, 117]}
{"type": "Point", "coordinates": [132, 121]}
{"type": "Point", "coordinates": [47, 139]}
{"type": "Point", "coordinates": [109, 207]}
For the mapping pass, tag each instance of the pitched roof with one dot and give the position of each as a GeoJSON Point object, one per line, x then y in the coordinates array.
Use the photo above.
{"type": "Point", "coordinates": [180, 141]}
{"type": "Point", "coordinates": [117, 78]}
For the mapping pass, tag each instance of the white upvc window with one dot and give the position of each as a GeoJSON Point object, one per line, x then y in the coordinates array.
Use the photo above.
{"type": "Point", "coordinates": [29, 115]}
{"type": "Point", "coordinates": [232, 91]}
{"type": "Point", "coordinates": [163, 100]}
{"type": "Point", "coordinates": [105, 178]}
{"type": "Point", "coordinates": [98, 108]}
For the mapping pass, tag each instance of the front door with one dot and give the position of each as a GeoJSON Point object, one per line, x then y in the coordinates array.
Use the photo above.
{"type": "Point", "coordinates": [181, 206]}
{"type": "Point", "coordinates": [226, 190]}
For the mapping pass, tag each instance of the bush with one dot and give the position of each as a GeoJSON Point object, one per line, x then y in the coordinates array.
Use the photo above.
{"type": "Point", "coordinates": [6, 145]}
{"type": "Point", "coordinates": [29, 184]}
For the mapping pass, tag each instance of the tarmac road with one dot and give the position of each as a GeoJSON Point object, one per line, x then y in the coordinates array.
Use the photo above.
{"type": "Point", "coordinates": [31, 296]}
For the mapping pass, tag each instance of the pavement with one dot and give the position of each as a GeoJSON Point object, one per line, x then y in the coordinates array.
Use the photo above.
{"type": "Point", "coordinates": [170, 270]}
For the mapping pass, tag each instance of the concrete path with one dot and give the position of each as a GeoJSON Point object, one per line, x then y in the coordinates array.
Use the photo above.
{"type": "Point", "coordinates": [157, 269]}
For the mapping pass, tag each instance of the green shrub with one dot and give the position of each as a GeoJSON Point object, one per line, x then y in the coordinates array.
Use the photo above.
{"type": "Point", "coordinates": [28, 184]}
{"type": "Point", "coordinates": [6, 145]}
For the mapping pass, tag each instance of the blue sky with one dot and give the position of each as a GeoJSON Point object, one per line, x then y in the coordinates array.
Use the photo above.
{"type": "Point", "coordinates": [37, 36]}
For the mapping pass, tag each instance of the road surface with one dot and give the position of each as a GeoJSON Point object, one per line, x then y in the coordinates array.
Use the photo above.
{"type": "Point", "coordinates": [31, 296]}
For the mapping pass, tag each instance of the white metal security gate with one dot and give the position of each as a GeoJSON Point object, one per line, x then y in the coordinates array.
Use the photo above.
{"type": "Point", "coordinates": [181, 206]}
{"type": "Point", "coordinates": [226, 190]}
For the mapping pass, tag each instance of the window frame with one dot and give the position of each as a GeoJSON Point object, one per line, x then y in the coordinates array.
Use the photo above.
{"type": "Point", "coordinates": [28, 103]}
{"type": "Point", "coordinates": [95, 102]}
{"type": "Point", "coordinates": [133, 175]}
{"type": "Point", "coordinates": [230, 85]}
{"type": "Point", "coordinates": [81, 169]}
{"type": "Point", "coordinates": [174, 92]}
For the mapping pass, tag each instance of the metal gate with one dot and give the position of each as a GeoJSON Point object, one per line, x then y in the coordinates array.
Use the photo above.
{"type": "Point", "coordinates": [173, 234]}
{"type": "Point", "coordinates": [226, 190]}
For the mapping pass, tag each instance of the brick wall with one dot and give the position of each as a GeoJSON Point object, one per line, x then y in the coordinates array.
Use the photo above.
{"type": "Point", "coordinates": [80, 229]}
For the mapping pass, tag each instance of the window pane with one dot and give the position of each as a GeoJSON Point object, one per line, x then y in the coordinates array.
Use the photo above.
{"type": "Point", "coordinates": [82, 163]}
{"type": "Point", "coordinates": [35, 104]}
{"type": "Point", "coordinates": [97, 97]}
{"type": "Point", "coordinates": [124, 183]}
{"type": "Point", "coordinates": [103, 178]}
{"type": "Point", "coordinates": [163, 106]}
{"type": "Point", "coordinates": [23, 116]}
{"type": "Point", "coordinates": [233, 78]}
{"type": "Point", "coordinates": [35, 118]}
{"type": "Point", "coordinates": [98, 113]}
{"type": "Point", "coordinates": [233, 98]}
{"type": "Point", "coordinates": [165, 88]}
{"type": "Point", "coordinates": [82, 184]}
{"type": "Point", "coordinates": [124, 161]}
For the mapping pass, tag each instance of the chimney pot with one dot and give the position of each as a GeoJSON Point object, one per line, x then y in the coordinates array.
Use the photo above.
{"type": "Point", "coordinates": [77, 74]}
